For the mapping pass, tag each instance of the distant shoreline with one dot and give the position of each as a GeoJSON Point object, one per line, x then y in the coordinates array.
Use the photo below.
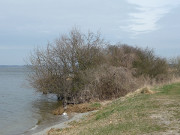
{"type": "Point", "coordinates": [12, 65]}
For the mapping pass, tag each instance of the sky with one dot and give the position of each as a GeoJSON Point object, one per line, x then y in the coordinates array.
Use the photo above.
{"type": "Point", "coordinates": [26, 24]}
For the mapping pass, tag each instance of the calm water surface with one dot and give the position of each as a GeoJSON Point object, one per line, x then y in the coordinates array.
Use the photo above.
{"type": "Point", "coordinates": [22, 109]}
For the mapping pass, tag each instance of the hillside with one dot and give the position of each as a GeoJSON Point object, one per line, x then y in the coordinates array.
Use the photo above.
{"type": "Point", "coordinates": [157, 113]}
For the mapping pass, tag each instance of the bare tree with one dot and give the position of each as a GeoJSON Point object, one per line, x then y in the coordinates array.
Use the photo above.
{"type": "Point", "coordinates": [57, 69]}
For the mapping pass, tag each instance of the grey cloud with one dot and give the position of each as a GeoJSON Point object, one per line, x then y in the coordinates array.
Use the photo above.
{"type": "Point", "coordinates": [25, 24]}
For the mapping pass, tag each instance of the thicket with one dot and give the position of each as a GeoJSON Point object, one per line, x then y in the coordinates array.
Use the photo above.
{"type": "Point", "coordinates": [175, 65]}
{"type": "Point", "coordinates": [81, 67]}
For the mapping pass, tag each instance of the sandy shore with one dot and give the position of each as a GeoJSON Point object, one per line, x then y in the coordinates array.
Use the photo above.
{"type": "Point", "coordinates": [76, 117]}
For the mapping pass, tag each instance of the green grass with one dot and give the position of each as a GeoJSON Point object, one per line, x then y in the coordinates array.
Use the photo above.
{"type": "Point", "coordinates": [133, 115]}
{"type": "Point", "coordinates": [95, 105]}
{"type": "Point", "coordinates": [170, 90]}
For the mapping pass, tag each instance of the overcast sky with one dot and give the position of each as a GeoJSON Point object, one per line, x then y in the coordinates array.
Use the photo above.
{"type": "Point", "coordinates": [25, 24]}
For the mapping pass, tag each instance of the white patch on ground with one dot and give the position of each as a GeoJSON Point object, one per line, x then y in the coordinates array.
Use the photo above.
{"type": "Point", "coordinates": [62, 125]}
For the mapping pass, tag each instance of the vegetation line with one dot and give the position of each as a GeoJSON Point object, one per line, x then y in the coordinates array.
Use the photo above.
{"type": "Point", "coordinates": [80, 68]}
{"type": "Point", "coordinates": [143, 113]}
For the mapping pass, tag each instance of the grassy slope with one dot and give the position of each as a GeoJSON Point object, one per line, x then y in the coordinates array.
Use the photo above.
{"type": "Point", "coordinates": [143, 114]}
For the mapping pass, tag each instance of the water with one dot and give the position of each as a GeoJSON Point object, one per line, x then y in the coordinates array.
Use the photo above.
{"type": "Point", "coordinates": [22, 109]}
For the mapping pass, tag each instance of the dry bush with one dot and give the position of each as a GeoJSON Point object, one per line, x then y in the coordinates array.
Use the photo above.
{"type": "Point", "coordinates": [148, 64]}
{"type": "Point", "coordinates": [81, 67]}
{"type": "Point", "coordinates": [144, 61]}
{"type": "Point", "coordinates": [112, 82]}
{"type": "Point", "coordinates": [59, 68]}
{"type": "Point", "coordinates": [175, 66]}
{"type": "Point", "coordinates": [121, 55]}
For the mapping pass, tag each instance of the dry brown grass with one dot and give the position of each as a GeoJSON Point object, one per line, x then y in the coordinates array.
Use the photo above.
{"type": "Point", "coordinates": [53, 131]}
{"type": "Point", "coordinates": [77, 108]}
{"type": "Point", "coordinates": [58, 111]}
{"type": "Point", "coordinates": [146, 90]}
{"type": "Point", "coordinates": [86, 107]}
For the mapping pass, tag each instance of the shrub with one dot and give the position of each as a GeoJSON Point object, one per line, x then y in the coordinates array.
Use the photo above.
{"type": "Point", "coordinates": [81, 67]}
{"type": "Point", "coordinates": [148, 64]}
{"type": "Point", "coordinates": [58, 69]}
{"type": "Point", "coordinates": [121, 55]}
{"type": "Point", "coordinates": [175, 66]}
{"type": "Point", "coordinates": [143, 60]}
{"type": "Point", "coordinates": [112, 82]}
